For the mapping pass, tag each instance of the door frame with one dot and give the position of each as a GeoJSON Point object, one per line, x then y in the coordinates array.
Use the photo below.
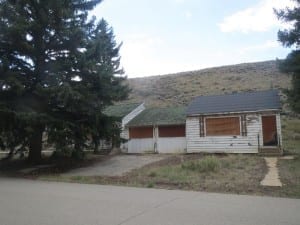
{"type": "Point", "coordinates": [276, 130]}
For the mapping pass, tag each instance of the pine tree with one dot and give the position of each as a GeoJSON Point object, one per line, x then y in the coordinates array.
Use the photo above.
{"type": "Point", "coordinates": [48, 80]}
{"type": "Point", "coordinates": [291, 38]}
{"type": "Point", "coordinates": [103, 52]}
{"type": "Point", "coordinates": [99, 84]}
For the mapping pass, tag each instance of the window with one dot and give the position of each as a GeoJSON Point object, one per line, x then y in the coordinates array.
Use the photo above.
{"type": "Point", "coordinates": [141, 132]}
{"type": "Point", "coordinates": [172, 131]}
{"type": "Point", "coordinates": [222, 126]}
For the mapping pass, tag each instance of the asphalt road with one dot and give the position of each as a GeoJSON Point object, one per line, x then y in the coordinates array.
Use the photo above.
{"type": "Point", "coordinates": [40, 203]}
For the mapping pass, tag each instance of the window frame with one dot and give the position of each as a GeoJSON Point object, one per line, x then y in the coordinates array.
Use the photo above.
{"type": "Point", "coordinates": [223, 135]}
{"type": "Point", "coordinates": [180, 127]}
{"type": "Point", "coordinates": [141, 127]}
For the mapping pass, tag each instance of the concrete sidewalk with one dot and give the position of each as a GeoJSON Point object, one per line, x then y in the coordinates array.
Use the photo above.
{"type": "Point", "coordinates": [272, 177]}
{"type": "Point", "coordinates": [27, 202]}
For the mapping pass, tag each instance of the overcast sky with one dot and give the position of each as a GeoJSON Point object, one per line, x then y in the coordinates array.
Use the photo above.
{"type": "Point", "coordinates": [167, 36]}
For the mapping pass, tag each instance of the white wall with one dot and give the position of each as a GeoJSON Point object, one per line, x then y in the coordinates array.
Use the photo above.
{"type": "Point", "coordinates": [229, 144]}
{"type": "Point", "coordinates": [171, 145]}
{"type": "Point", "coordinates": [157, 144]}
{"type": "Point", "coordinates": [278, 123]}
{"type": "Point", "coordinates": [105, 144]}
{"type": "Point", "coordinates": [141, 145]}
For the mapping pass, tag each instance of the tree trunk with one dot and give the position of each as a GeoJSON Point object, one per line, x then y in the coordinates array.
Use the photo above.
{"type": "Point", "coordinates": [35, 145]}
{"type": "Point", "coordinates": [95, 141]}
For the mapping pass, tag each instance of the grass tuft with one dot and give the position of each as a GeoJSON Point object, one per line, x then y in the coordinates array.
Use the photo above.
{"type": "Point", "coordinates": [207, 164]}
{"type": "Point", "coordinates": [150, 185]}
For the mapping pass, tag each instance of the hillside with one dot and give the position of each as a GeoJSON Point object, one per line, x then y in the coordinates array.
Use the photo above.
{"type": "Point", "coordinates": [180, 88]}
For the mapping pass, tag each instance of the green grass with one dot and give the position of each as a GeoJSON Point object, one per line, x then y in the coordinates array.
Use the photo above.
{"type": "Point", "coordinates": [207, 164]}
{"type": "Point", "coordinates": [289, 172]}
{"type": "Point", "coordinates": [230, 173]}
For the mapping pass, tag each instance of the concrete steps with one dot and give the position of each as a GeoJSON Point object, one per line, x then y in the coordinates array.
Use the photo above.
{"type": "Point", "coordinates": [270, 151]}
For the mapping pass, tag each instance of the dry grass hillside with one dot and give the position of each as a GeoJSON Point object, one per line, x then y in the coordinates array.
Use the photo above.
{"type": "Point", "coordinates": [180, 88]}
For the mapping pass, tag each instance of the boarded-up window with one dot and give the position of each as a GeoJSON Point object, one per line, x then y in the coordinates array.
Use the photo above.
{"type": "Point", "coordinates": [222, 126]}
{"type": "Point", "coordinates": [172, 131]}
{"type": "Point", "coordinates": [140, 132]}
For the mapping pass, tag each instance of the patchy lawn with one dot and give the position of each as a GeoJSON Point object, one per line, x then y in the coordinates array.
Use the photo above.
{"type": "Point", "coordinates": [225, 173]}
{"type": "Point", "coordinates": [291, 135]}
{"type": "Point", "coordinates": [236, 173]}
{"type": "Point", "coordinates": [289, 172]}
{"type": "Point", "coordinates": [218, 173]}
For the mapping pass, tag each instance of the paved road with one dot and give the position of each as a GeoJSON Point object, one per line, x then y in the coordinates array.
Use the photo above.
{"type": "Point", "coordinates": [116, 166]}
{"type": "Point", "coordinates": [25, 202]}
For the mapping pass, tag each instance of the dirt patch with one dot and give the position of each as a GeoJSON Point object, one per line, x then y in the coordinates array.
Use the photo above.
{"type": "Point", "coordinates": [55, 166]}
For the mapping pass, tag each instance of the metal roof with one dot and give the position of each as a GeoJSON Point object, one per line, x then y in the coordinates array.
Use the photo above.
{"type": "Point", "coordinates": [238, 102]}
{"type": "Point", "coordinates": [159, 116]}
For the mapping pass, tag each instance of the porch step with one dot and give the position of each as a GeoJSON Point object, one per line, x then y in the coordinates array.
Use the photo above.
{"type": "Point", "coordinates": [270, 151]}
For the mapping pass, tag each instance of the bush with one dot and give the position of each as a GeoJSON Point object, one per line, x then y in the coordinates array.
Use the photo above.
{"type": "Point", "coordinates": [152, 174]}
{"type": "Point", "coordinates": [150, 185]}
{"type": "Point", "coordinates": [207, 164]}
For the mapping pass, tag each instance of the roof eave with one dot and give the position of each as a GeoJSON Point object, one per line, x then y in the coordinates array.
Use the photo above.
{"type": "Point", "coordinates": [234, 112]}
{"type": "Point", "coordinates": [156, 124]}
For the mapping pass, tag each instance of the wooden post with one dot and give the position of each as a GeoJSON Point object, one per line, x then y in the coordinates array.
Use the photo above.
{"type": "Point", "coordinates": [258, 142]}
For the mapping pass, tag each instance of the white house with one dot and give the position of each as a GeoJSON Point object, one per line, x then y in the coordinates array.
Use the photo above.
{"type": "Point", "coordinates": [235, 123]}
{"type": "Point", "coordinates": [158, 130]}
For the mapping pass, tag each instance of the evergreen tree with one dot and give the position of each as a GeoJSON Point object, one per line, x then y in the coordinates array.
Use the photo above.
{"type": "Point", "coordinates": [100, 82]}
{"type": "Point", "coordinates": [49, 78]}
{"type": "Point", "coordinates": [103, 52]}
{"type": "Point", "coordinates": [291, 38]}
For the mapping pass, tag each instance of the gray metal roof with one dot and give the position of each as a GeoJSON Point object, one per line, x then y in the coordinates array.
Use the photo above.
{"type": "Point", "coordinates": [239, 102]}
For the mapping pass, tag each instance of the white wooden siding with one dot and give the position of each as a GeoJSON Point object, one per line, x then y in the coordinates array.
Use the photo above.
{"type": "Point", "coordinates": [171, 145]}
{"type": "Point", "coordinates": [105, 144]}
{"type": "Point", "coordinates": [141, 145]}
{"type": "Point", "coordinates": [230, 144]}
{"type": "Point", "coordinates": [278, 124]}
{"type": "Point", "coordinates": [157, 144]}
{"type": "Point", "coordinates": [124, 135]}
